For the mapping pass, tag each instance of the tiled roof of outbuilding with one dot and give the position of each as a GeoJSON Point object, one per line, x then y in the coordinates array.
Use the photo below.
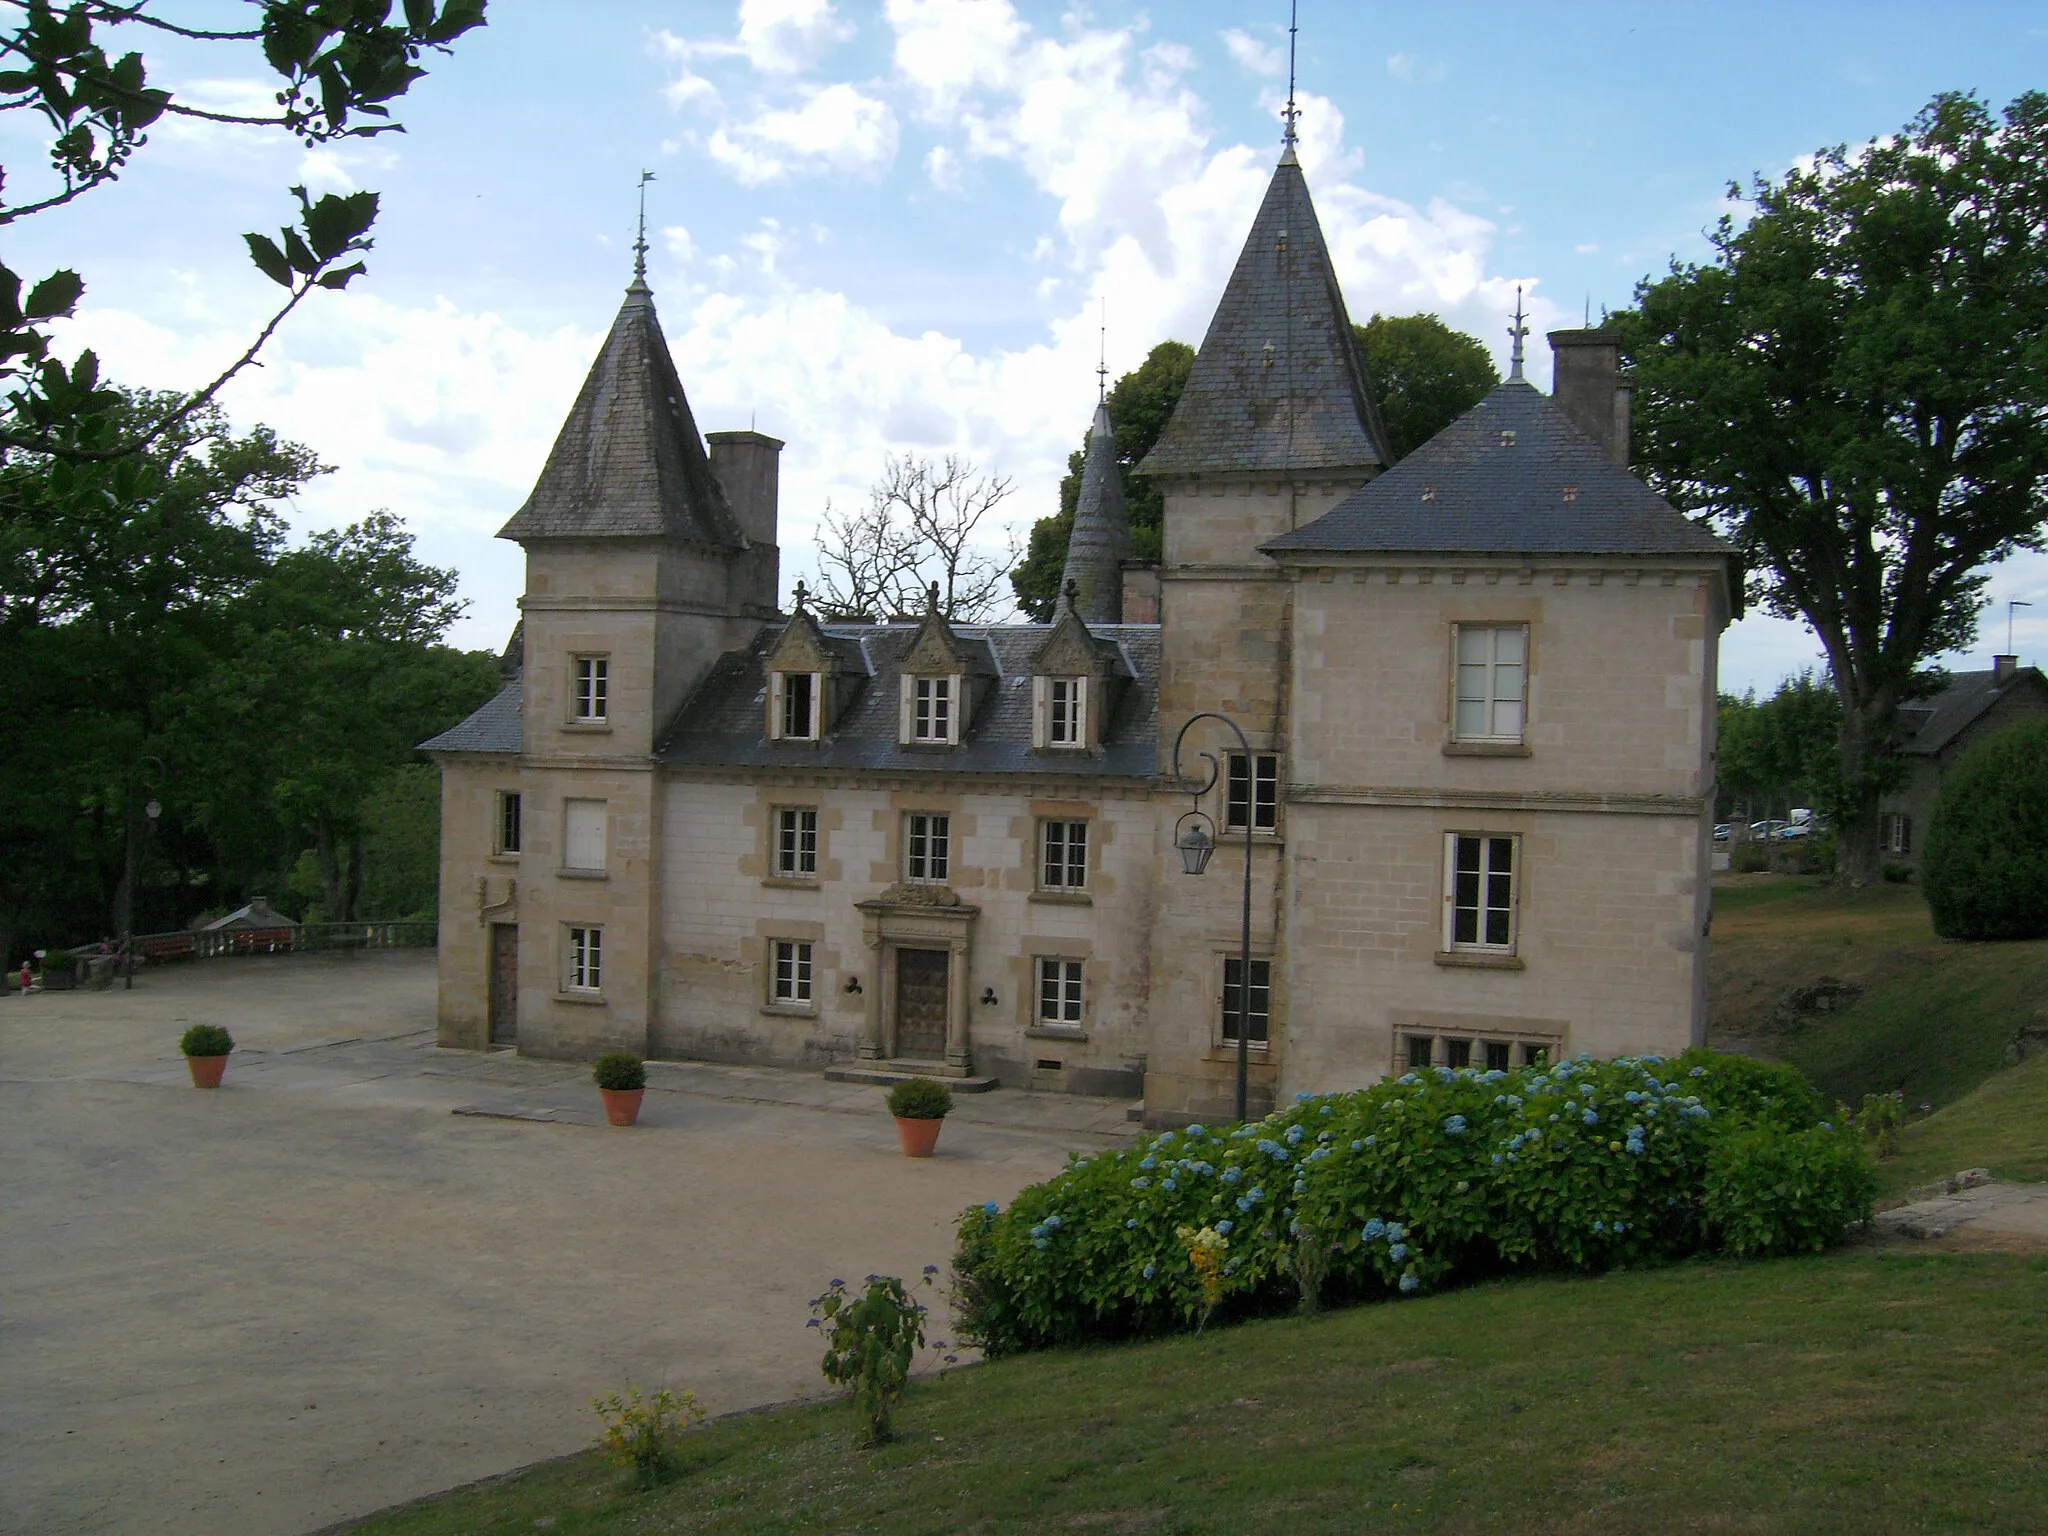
{"type": "Point", "coordinates": [629, 462]}
{"type": "Point", "coordinates": [720, 724]}
{"type": "Point", "coordinates": [494, 728]}
{"type": "Point", "coordinates": [1965, 700]}
{"type": "Point", "coordinates": [1512, 476]}
{"type": "Point", "coordinates": [1280, 383]}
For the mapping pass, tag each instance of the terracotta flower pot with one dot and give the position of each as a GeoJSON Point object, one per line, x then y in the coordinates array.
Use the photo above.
{"type": "Point", "coordinates": [621, 1105]}
{"type": "Point", "coordinates": [206, 1070]}
{"type": "Point", "coordinates": [919, 1137]}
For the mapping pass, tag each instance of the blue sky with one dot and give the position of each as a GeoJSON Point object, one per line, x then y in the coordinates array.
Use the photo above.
{"type": "Point", "coordinates": [891, 227]}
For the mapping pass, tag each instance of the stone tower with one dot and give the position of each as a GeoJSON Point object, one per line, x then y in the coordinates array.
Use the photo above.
{"type": "Point", "coordinates": [646, 558]}
{"type": "Point", "coordinates": [1101, 536]}
{"type": "Point", "coordinates": [1276, 425]}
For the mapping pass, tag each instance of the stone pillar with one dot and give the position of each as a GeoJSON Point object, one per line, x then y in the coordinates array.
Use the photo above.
{"type": "Point", "coordinates": [1588, 387]}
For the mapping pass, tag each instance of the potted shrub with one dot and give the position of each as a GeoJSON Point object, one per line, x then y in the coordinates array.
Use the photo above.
{"type": "Point", "coordinates": [621, 1079]}
{"type": "Point", "coordinates": [206, 1048]}
{"type": "Point", "coordinates": [920, 1107]}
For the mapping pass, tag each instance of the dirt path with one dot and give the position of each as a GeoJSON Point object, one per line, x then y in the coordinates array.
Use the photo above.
{"type": "Point", "coordinates": [317, 1291]}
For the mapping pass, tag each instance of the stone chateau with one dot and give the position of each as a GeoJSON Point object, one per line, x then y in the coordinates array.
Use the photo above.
{"type": "Point", "coordinates": [1478, 687]}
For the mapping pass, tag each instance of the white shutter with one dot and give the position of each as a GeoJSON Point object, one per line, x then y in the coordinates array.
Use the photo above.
{"type": "Point", "coordinates": [1080, 721]}
{"type": "Point", "coordinates": [817, 721]}
{"type": "Point", "coordinates": [1041, 730]}
{"type": "Point", "coordinates": [1450, 890]}
{"type": "Point", "coordinates": [584, 834]}
{"type": "Point", "coordinates": [906, 693]}
{"type": "Point", "coordinates": [774, 705]}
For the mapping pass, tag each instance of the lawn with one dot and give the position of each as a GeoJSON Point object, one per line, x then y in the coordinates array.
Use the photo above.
{"type": "Point", "coordinates": [1870, 1392]}
{"type": "Point", "coordinates": [1934, 1019]}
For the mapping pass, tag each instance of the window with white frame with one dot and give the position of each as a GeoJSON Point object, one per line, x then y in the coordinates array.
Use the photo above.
{"type": "Point", "coordinates": [590, 687]}
{"type": "Point", "coordinates": [1492, 677]}
{"type": "Point", "coordinates": [1059, 993]}
{"type": "Point", "coordinates": [583, 835]}
{"type": "Point", "coordinates": [930, 710]}
{"type": "Point", "coordinates": [791, 982]}
{"type": "Point", "coordinates": [1259, 1023]}
{"type": "Point", "coordinates": [1062, 711]}
{"type": "Point", "coordinates": [584, 967]}
{"type": "Point", "coordinates": [796, 842]}
{"type": "Point", "coordinates": [506, 840]}
{"type": "Point", "coordinates": [1480, 890]}
{"type": "Point", "coordinates": [1895, 828]}
{"type": "Point", "coordinates": [793, 706]}
{"type": "Point", "coordinates": [1063, 862]}
{"type": "Point", "coordinates": [1254, 788]}
{"type": "Point", "coordinates": [927, 848]}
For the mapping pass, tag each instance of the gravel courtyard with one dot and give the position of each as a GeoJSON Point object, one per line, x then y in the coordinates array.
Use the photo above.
{"type": "Point", "coordinates": [367, 1269]}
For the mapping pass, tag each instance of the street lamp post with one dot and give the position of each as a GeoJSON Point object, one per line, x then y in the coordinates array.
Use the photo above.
{"type": "Point", "coordinates": [1195, 838]}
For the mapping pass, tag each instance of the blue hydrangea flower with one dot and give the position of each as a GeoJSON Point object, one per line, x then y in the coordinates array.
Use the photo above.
{"type": "Point", "coordinates": [1294, 1134]}
{"type": "Point", "coordinates": [1163, 1138]}
{"type": "Point", "coordinates": [1398, 1252]}
{"type": "Point", "coordinates": [1406, 1078]}
{"type": "Point", "coordinates": [1232, 1175]}
{"type": "Point", "coordinates": [1496, 1157]}
{"type": "Point", "coordinates": [1039, 1242]}
{"type": "Point", "coordinates": [1149, 1269]}
{"type": "Point", "coordinates": [1149, 1164]}
{"type": "Point", "coordinates": [1325, 1109]}
{"type": "Point", "coordinates": [1223, 1227]}
{"type": "Point", "coordinates": [1591, 1118]}
{"type": "Point", "coordinates": [1375, 1229]}
{"type": "Point", "coordinates": [1409, 1283]}
{"type": "Point", "coordinates": [1372, 1141]}
{"type": "Point", "coordinates": [1131, 1225]}
{"type": "Point", "coordinates": [1396, 1231]}
{"type": "Point", "coordinates": [1455, 1126]}
{"type": "Point", "coordinates": [1698, 1072]}
{"type": "Point", "coordinates": [1169, 1186]}
{"type": "Point", "coordinates": [1197, 1131]}
{"type": "Point", "coordinates": [1141, 1183]}
{"type": "Point", "coordinates": [1052, 1223]}
{"type": "Point", "coordinates": [1357, 1146]}
{"type": "Point", "coordinates": [1244, 1202]}
{"type": "Point", "coordinates": [1303, 1098]}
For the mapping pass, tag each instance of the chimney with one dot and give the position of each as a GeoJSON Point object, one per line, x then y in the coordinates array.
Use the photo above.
{"type": "Point", "coordinates": [748, 466]}
{"type": "Point", "coordinates": [1587, 384]}
{"type": "Point", "coordinates": [2004, 668]}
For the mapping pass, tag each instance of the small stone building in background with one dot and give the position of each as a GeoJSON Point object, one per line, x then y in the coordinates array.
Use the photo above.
{"type": "Point", "coordinates": [1937, 730]}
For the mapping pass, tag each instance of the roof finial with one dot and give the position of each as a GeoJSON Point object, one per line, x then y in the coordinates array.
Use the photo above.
{"type": "Point", "coordinates": [931, 598]}
{"type": "Point", "coordinates": [1516, 333]}
{"type": "Point", "coordinates": [1102, 358]}
{"type": "Point", "coordinates": [1071, 594]}
{"type": "Point", "coordinates": [801, 596]}
{"type": "Point", "coordinates": [1291, 112]}
{"type": "Point", "coordinates": [640, 243]}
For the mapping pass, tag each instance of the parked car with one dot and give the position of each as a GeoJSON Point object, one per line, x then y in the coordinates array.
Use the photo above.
{"type": "Point", "coordinates": [1764, 831]}
{"type": "Point", "coordinates": [1793, 829]}
{"type": "Point", "coordinates": [1722, 832]}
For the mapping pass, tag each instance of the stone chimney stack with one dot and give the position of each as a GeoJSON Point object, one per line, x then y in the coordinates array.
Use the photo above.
{"type": "Point", "coordinates": [1587, 383]}
{"type": "Point", "coordinates": [2004, 668]}
{"type": "Point", "coordinates": [748, 467]}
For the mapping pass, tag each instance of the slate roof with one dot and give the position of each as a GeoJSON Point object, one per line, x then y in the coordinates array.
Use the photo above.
{"type": "Point", "coordinates": [1966, 699]}
{"type": "Point", "coordinates": [720, 724]}
{"type": "Point", "coordinates": [1305, 404]}
{"type": "Point", "coordinates": [1512, 476]}
{"type": "Point", "coordinates": [1101, 535]}
{"type": "Point", "coordinates": [494, 728]}
{"type": "Point", "coordinates": [629, 462]}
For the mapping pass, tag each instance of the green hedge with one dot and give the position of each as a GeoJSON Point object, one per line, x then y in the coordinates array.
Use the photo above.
{"type": "Point", "coordinates": [1414, 1183]}
{"type": "Point", "coordinates": [1985, 866]}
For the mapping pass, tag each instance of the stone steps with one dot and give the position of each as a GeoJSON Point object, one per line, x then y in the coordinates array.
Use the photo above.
{"type": "Point", "coordinates": [886, 1074]}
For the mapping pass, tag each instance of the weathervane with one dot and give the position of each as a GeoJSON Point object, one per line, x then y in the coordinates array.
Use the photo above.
{"type": "Point", "coordinates": [1291, 113]}
{"type": "Point", "coordinates": [1102, 358]}
{"type": "Point", "coordinates": [640, 244]}
{"type": "Point", "coordinates": [1516, 333]}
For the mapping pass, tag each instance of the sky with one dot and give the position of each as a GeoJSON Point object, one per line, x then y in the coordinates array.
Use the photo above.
{"type": "Point", "coordinates": [904, 226]}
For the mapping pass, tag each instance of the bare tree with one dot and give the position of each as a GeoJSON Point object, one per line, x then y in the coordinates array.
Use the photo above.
{"type": "Point", "coordinates": [918, 530]}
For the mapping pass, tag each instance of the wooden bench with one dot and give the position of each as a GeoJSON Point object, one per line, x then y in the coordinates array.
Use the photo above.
{"type": "Point", "coordinates": [262, 941]}
{"type": "Point", "coordinates": [167, 946]}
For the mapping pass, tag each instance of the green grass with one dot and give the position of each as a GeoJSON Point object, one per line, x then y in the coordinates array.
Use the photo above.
{"type": "Point", "coordinates": [1934, 1020]}
{"type": "Point", "coordinates": [2001, 1125]}
{"type": "Point", "coordinates": [1867, 1392]}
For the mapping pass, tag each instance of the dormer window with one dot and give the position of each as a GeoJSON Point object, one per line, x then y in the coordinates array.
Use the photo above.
{"type": "Point", "coordinates": [793, 705]}
{"type": "Point", "coordinates": [931, 710]}
{"type": "Point", "coordinates": [1061, 716]}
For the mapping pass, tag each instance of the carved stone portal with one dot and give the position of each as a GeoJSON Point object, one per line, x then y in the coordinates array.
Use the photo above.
{"type": "Point", "coordinates": [921, 940]}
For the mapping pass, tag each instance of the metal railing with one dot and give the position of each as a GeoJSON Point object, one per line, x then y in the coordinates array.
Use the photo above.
{"type": "Point", "coordinates": [99, 965]}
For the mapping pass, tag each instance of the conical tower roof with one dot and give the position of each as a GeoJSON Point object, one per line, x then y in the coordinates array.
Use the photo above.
{"type": "Point", "coordinates": [629, 462]}
{"type": "Point", "coordinates": [1102, 531]}
{"type": "Point", "coordinates": [1279, 385]}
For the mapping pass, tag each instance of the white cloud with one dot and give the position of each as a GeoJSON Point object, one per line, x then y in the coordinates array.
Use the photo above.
{"type": "Point", "coordinates": [836, 128]}
{"type": "Point", "coordinates": [1590, 248]}
{"type": "Point", "coordinates": [786, 36]}
{"type": "Point", "coordinates": [943, 167]}
{"type": "Point", "coordinates": [1252, 54]}
{"type": "Point", "coordinates": [676, 241]}
{"type": "Point", "coordinates": [1406, 66]}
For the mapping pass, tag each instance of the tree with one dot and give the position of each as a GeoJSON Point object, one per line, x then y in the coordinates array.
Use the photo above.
{"type": "Point", "coordinates": [1854, 389]}
{"type": "Point", "coordinates": [340, 63]}
{"type": "Point", "coordinates": [1139, 406]}
{"type": "Point", "coordinates": [1782, 752]}
{"type": "Point", "coordinates": [1425, 376]}
{"type": "Point", "coordinates": [1985, 866]}
{"type": "Point", "coordinates": [917, 531]}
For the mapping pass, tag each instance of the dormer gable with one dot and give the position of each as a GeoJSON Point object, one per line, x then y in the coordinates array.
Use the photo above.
{"type": "Point", "coordinates": [810, 679]}
{"type": "Point", "coordinates": [942, 680]}
{"type": "Point", "coordinates": [1076, 680]}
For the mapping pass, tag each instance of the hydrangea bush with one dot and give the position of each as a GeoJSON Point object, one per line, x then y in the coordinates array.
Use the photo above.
{"type": "Point", "coordinates": [1412, 1183]}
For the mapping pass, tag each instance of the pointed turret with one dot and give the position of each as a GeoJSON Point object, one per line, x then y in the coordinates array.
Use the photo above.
{"type": "Point", "coordinates": [1102, 531]}
{"type": "Point", "coordinates": [629, 462]}
{"type": "Point", "coordinates": [1279, 385]}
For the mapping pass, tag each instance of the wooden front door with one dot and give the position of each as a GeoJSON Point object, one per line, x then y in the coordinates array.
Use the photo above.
{"type": "Point", "coordinates": [921, 976]}
{"type": "Point", "coordinates": [504, 983]}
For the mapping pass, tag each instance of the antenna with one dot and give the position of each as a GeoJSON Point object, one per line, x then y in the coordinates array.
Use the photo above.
{"type": "Point", "coordinates": [1516, 333]}
{"type": "Point", "coordinates": [1292, 112]}
{"type": "Point", "coordinates": [1102, 358]}
{"type": "Point", "coordinates": [640, 243]}
{"type": "Point", "coordinates": [2010, 604]}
